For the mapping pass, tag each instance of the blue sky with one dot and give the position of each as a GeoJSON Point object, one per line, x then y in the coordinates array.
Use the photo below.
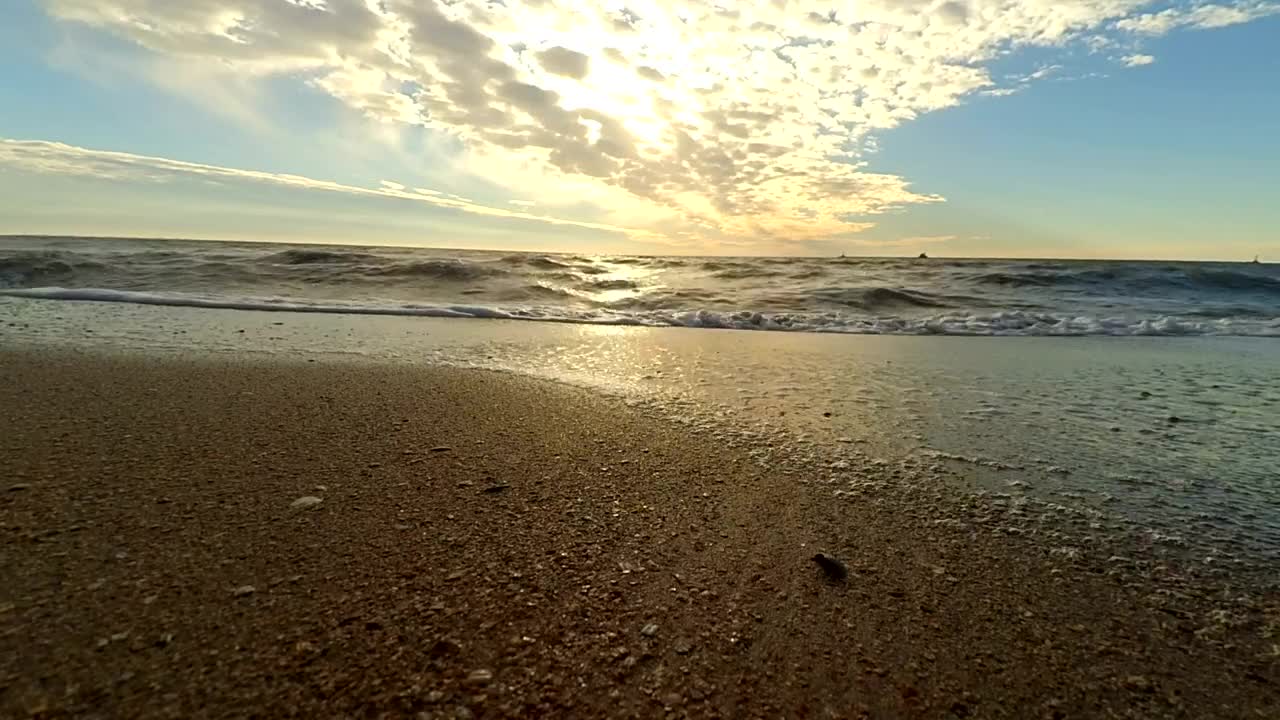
{"type": "Point", "coordinates": [1092, 128]}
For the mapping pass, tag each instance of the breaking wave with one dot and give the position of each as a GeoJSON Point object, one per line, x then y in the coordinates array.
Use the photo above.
{"type": "Point", "coordinates": [996, 324]}
{"type": "Point", "coordinates": [850, 295]}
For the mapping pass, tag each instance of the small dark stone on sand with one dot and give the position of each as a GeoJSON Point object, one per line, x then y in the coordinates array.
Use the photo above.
{"type": "Point", "coordinates": [19, 487]}
{"type": "Point", "coordinates": [444, 647]}
{"type": "Point", "coordinates": [495, 489]}
{"type": "Point", "coordinates": [833, 568]}
{"type": "Point", "coordinates": [442, 448]}
{"type": "Point", "coordinates": [826, 414]}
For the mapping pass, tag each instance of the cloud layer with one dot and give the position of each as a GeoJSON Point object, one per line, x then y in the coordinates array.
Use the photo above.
{"type": "Point", "coordinates": [39, 156]}
{"type": "Point", "coordinates": [741, 120]}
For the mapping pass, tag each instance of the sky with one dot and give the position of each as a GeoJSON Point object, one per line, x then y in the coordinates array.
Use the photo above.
{"type": "Point", "coordinates": [1040, 128]}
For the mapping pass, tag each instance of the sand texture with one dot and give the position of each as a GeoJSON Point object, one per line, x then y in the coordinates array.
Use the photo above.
{"type": "Point", "coordinates": [490, 546]}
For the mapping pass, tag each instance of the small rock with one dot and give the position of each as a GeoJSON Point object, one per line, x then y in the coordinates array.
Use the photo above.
{"type": "Point", "coordinates": [683, 647]}
{"type": "Point", "coordinates": [244, 590]}
{"type": "Point", "coordinates": [462, 713]}
{"type": "Point", "coordinates": [1139, 683]}
{"type": "Point", "coordinates": [494, 489]}
{"type": "Point", "coordinates": [444, 647]}
{"type": "Point", "coordinates": [19, 487]}
{"type": "Point", "coordinates": [442, 448]}
{"type": "Point", "coordinates": [672, 699]}
{"type": "Point", "coordinates": [479, 677]}
{"type": "Point", "coordinates": [649, 630]}
{"type": "Point", "coordinates": [305, 502]}
{"type": "Point", "coordinates": [833, 568]}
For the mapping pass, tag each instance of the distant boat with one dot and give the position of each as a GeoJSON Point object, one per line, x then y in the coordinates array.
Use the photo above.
{"type": "Point", "coordinates": [923, 256]}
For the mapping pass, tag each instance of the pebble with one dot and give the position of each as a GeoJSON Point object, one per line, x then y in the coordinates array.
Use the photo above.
{"type": "Point", "coordinates": [244, 590]}
{"type": "Point", "coordinates": [479, 677]}
{"type": "Point", "coordinates": [833, 568]}
{"type": "Point", "coordinates": [649, 630]}
{"type": "Point", "coordinates": [19, 487]}
{"type": "Point", "coordinates": [305, 502]}
{"type": "Point", "coordinates": [442, 448]}
{"type": "Point", "coordinates": [444, 647]}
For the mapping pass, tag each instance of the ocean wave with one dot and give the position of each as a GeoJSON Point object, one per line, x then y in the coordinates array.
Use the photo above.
{"type": "Point", "coordinates": [541, 262]}
{"type": "Point", "coordinates": [24, 268]}
{"type": "Point", "coordinates": [878, 297]}
{"type": "Point", "coordinates": [614, 284]}
{"type": "Point", "coordinates": [1012, 323]}
{"type": "Point", "coordinates": [437, 269]}
{"type": "Point", "coordinates": [1127, 277]}
{"type": "Point", "coordinates": [308, 256]}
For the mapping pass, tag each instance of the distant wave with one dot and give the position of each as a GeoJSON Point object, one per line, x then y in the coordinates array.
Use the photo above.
{"type": "Point", "coordinates": [1150, 279]}
{"type": "Point", "coordinates": [303, 256]}
{"type": "Point", "coordinates": [1012, 323]}
{"type": "Point", "coordinates": [438, 269]}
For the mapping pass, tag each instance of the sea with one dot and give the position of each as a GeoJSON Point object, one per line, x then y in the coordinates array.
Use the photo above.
{"type": "Point", "coordinates": [1080, 401]}
{"type": "Point", "coordinates": [883, 296]}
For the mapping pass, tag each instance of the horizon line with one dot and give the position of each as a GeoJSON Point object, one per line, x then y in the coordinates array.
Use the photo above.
{"type": "Point", "coordinates": [161, 238]}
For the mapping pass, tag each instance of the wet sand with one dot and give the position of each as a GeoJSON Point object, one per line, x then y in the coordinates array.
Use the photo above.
{"type": "Point", "coordinates": [493, 546]}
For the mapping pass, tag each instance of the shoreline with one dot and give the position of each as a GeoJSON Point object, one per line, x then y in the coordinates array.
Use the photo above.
{"type": "Point", "coordinates": [539, 549]}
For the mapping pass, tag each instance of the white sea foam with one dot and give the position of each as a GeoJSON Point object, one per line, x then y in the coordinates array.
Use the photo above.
{"type": "Point", "coordinates": [1010, 323]}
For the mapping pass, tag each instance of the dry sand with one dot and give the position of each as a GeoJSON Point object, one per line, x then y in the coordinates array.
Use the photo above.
{"type": "Point", "coordinates": [492, 546]}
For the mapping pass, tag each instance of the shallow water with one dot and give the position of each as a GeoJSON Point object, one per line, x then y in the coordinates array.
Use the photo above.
{"type": "Point", "coordinates": [1172, 439]}
{"type": "Point", "coordinates": [834, 295]}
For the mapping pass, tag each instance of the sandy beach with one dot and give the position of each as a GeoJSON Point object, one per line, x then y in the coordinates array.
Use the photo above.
{"type": "Point", "coordinates": [486, 545]}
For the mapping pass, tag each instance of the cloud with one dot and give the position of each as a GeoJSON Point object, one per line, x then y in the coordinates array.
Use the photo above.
{"type": "Point", "coordinates": [731, 121]}
{"type": "Point", "coordinates": [566, 62]}
{"type": "Point", "coordinates": [1200, 17]}
{"type": "Point", "coordinates": [914, 241]}
{"type": "Point", "coordinates": [40, 156]}
{"type": "Point", "coordinates": [1137, 60]}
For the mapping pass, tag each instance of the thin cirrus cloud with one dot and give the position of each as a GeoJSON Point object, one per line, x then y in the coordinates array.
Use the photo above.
{"type": "Point", "coordinates": [744, 122]}
{"type": "Point", "coordinates": [39, 156]}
